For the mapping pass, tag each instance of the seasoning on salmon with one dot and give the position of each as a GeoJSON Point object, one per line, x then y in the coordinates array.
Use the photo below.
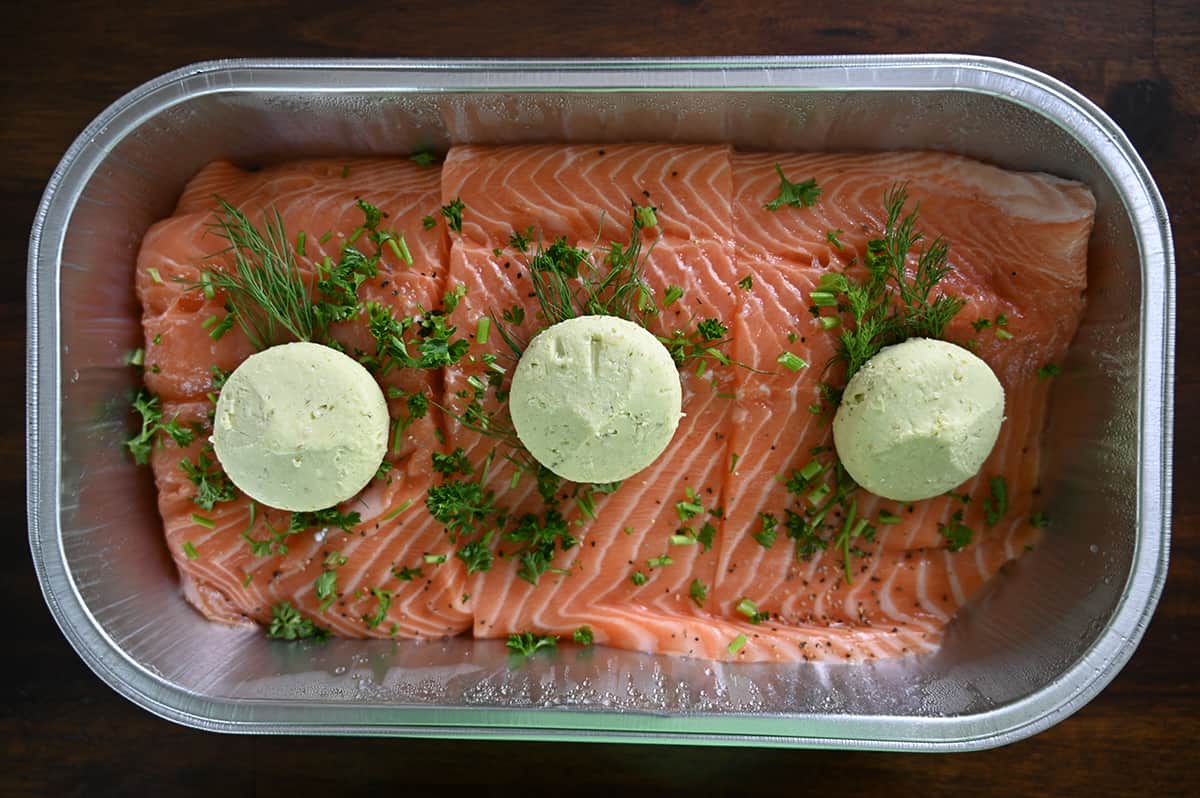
{"type": "Point", "coordinates": [714, 550]}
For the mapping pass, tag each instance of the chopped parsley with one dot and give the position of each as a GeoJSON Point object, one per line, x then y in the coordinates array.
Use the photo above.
{"type": "Point", "coordinates": [142, 443]}
{"type": "Point", "coordinates": [459, 505]}
{"type": "Point", "coordinates": [453, 213]}
{"type": "Point", "coordinates": [450, 464]}
{"type": "Point", "coordinates": [794, 195]}
{"type": "Point", "coordinates": [583, 636]}
{"type": "Point", "coordinates": [330, 517]}
{"type": "Point", "coordinates": [767, 534]}
{"type": "Point", "coordinates": [698, 591]}
{"type": "Point", "coordinates": [956, 533]}
{"type": "Point", "coordinates": [996, 505]}
{"type": "Point", "coordinates": [746, 283]}
{"type": "Point", "coordinates": [638, 578]}
{"type": "Point", "coordinates": [1047, 371]}
{"type": "Point", "coordinates": [407, 574]}
{"type": "Point", "coordinates": [212, 485]}
{"type": "Point", "coordinates": [476, 555]}
{"type": "Point", "coordinates": [326, 588]}
{"type": "Point", "coordinates": [528, 643]}
{"type": "Point", "coordinates": [384, 597]}
{"type": "Point", "coordinates": [288, 624]}
{"type": "Point", "coordinates": [1039, 520]}
{"type": "Point", "coordinates": [428, 222]}
{"type": "Point", "coordinates": [423, 158]}
{"type": "Point", "coordinates": [832, 237]}
{"type": "Point", "coordinates": [538, 538]}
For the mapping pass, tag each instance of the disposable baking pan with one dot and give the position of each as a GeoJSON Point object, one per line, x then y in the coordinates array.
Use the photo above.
{"type": "Point", "coordinates": [1039, 643]}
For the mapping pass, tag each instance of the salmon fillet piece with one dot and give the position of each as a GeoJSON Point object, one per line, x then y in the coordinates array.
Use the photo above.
{"type": "Point", "coordinates": [1018, 247]}
{"type": "Point", "coordinates": [225, 579]}
{"type": "Point", "coordinates": [585, 194]}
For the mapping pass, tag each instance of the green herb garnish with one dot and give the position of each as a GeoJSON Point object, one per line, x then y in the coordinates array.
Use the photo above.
{"type": "Point", "coordinates": [795, 195]}
{"type": "Point", "coordinates": [288, 624]}
{"type": "Point", "coordinates": [528, 643]}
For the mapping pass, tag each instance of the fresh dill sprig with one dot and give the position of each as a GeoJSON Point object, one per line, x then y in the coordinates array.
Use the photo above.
{"type": "Point", "coordinates": [569, 282]}
{"type": "Point", "coordinates": [266, 291]}
{"type": "Point", "coordinates": [889, 307]}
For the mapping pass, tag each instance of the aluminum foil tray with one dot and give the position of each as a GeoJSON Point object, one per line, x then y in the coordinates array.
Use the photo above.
{"type": "Point", "coordinates": [1039, 643]}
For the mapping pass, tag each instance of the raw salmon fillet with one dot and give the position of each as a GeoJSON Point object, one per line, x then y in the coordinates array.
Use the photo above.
{"type": "Point", "coordinates": [225, 580]}
{"type": "Point", "coordinates": [1018, 244]}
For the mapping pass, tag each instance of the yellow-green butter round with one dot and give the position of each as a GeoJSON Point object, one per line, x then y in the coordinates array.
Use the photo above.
{"type": "Point", "coordinates": [918, 419]}
{"type": "Point", "coordinates": [300, 427]}
{"type": "Point", "coordinates": [595, 398]}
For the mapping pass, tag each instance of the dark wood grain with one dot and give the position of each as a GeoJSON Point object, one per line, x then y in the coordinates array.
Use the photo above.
{"type": "Point", "coordinates": [64, 733]}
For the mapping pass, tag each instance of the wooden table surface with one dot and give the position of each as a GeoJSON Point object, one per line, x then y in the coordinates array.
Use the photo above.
{"type": "Point", "coordinates": [64, 733]}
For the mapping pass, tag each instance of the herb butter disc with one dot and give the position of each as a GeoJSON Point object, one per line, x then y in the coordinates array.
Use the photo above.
{"type": "Point", "coordinates": [300, 427]}
{"type": "Point", "coordinates": [918, 419]}
{"type": "Point", "coordinates": [595, 398]}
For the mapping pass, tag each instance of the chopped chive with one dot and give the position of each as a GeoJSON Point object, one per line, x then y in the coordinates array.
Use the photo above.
{"type": "Point", "coordinates": [301, 237]}
{"type": "Point", "coordinates": [791, 361]}
{"type": "Point", "coordinates": [746, 283]}
{"type": "Point", "coordinates": [736, 644]}
{"type": "Point", "coordinates": [516, 479]}
{"type": "Point", "coordinates": [399, 248]}
{"type": "Point", "coordinates": [682, 540]}
{"type": "Point", "coordinates": [328, 235]}
{"type": "Point", "coordinates": [733, 461]}
{"type": "Point", "coordinates": [482, 329]}
{"type": "Point", "coordinates": [811, 469]}
{"type": "Point", "coordinates": [659, 562]}
{"type": "Point", "coordinates": [818, 495]}
{"type": "Point", "coordinates": [246, 581]}
{"type": "Point", "coordinates": [136, 358]}
{"type": "Point", "coordinates": [888, 519]}
{"type": "Point", "coordinates": [747, 607]}
{"type": "Point", "coordinates": [832, 237]}
{"type": "Point", "coordinates": [829, 322]}
{"type": "Point", "coordinates": [434, 559]}
{"type": "Point", "coordinates": [154, 275]}
{"type": "Point", "coordinates": [823, 299]}
{"type": "Point", "coordinates": [358, 231]}
{"type": "Point", "coordinates": [202, 521]}
{"type": "Point", "coordinates": [210, 321]}
{"type": "Point", "coordinates": [404, 505]}
{"type": "Point", "coordinates": [207, 286]}
{"type": "Point", "coordinates": [1004, 335]}
{"type": "Point", "coordinates": [673, 293]}
{"type": "Point", "coordinates": [701, 367]}
{"type": "Point", "coordinates": [190, 550]}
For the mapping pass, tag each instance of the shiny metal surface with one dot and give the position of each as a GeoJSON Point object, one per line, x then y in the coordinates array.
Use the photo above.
{"type": "Point", "coordinates": [1045, 637]}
